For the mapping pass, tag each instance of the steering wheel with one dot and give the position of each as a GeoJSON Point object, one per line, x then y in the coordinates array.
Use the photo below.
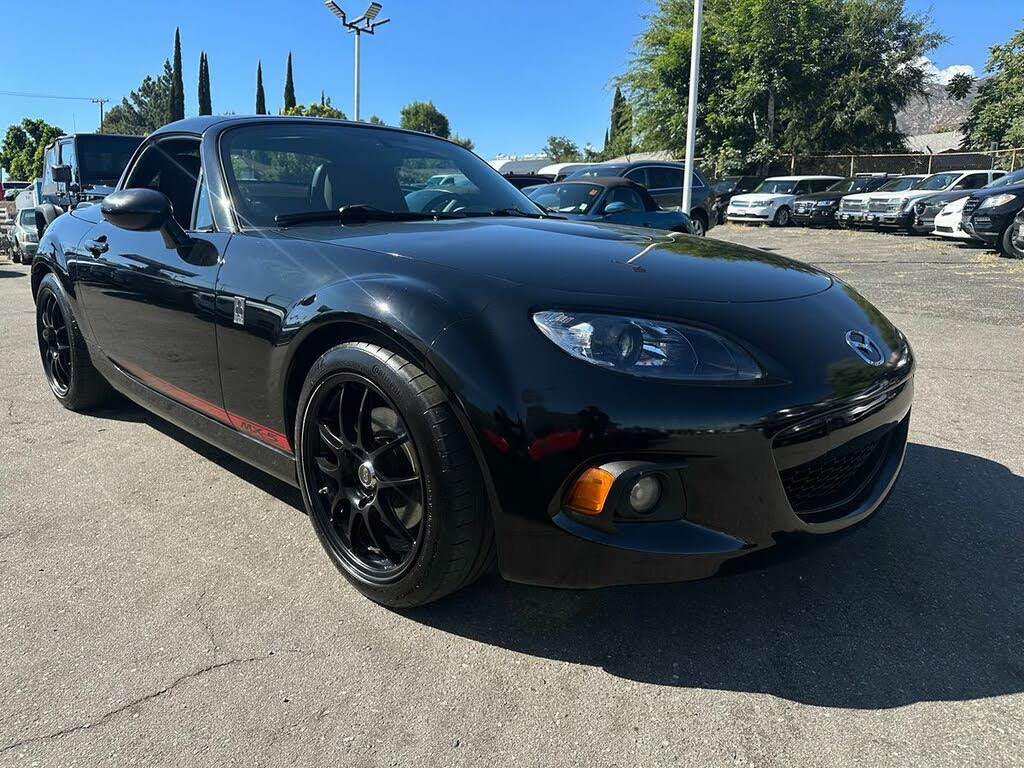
{"type": "Point", "coordinates": [444, 202]}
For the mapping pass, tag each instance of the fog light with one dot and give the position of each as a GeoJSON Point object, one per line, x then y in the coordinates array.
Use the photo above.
{"type": "Point", "coordinates": [645, 494]}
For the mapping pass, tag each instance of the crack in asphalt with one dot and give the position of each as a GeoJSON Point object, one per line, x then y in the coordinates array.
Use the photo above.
{"type": "Point", "coordinates": [107, 717]}
{"type": "Point", "coordinates": [204, 621]}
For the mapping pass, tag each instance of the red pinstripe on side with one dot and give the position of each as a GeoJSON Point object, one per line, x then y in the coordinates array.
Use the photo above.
{"type": "Point", "coordinates": [248, 426]}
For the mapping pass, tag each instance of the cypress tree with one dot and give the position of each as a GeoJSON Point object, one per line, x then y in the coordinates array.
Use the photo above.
{"type": "Point", "coordinates": [261, 99]}
{"type": "Point", "coordinates": [177, 85]}
{"type": "Point", "coordinates": [618, 103]}
{"type": "Point", "coordinates": [205, 103]}
{"type": "Point", "coordinates": [289, 86]}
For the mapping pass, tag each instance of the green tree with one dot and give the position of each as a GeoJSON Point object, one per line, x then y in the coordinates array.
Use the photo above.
{"type": "Point", "coordinates": [21, 153]}
{"type": "Point", "coordinates": [779, 75]}
{"type": "Point", "coordinates": [561, 149]}
{"type": "Point", "coordinates": [145, 109]}
{"type": "Point", "coordinates": [425, 117]}
{"type": "Point", "coordinates": [619, 138]}
{"type": "Point", "coordinates": [205, 101]}
{"type": "Point", "coordinates": [462, 141]}
{"type": "Point", "coordinates": [316, 109]}
{"type": "Point", "coordinates": [997, 112]}
{"type": "Point", "coordinates": [959, 86]}
{"type": "Point", "coordinates": [261, 98]}
{"type": "Point", "coordinates": [289, 87]}
{"type": "Point", "coordinates": [376, 120]}
{"type": "Point", "coordinates": [177, 84]}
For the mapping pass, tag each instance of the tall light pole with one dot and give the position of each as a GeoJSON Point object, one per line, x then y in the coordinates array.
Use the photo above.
{"type": "Point", "coordinates": [366, 23]}
{"type": "Point", "coordinates": [691, 118]}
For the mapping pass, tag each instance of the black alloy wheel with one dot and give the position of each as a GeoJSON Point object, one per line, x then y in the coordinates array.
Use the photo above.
{"type": "Point", "coordinates": [55, 345]}
{"type": "Point", "coordinates": [368, 492]}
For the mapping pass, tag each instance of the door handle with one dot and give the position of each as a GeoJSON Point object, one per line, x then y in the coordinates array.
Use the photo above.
{"type": "Point", "coordinates": [97, 247]}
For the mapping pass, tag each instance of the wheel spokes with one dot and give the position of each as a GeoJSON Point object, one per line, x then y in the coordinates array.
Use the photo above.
{"type": "Point", "coordinates": [398, 442]}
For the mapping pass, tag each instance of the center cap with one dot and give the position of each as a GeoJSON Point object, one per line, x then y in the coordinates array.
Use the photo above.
{"type": "Point", "coordinates": [366, 475]}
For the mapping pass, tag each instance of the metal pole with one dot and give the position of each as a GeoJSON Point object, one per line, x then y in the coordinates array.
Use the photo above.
{"type": "Point", "coordinates": [691, 118]}
{"type": "Point", "coordinates": [357, 77]}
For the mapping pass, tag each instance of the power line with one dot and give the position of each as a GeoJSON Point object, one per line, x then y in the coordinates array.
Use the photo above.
{"type": "Point", "coordinates": [44, 96]}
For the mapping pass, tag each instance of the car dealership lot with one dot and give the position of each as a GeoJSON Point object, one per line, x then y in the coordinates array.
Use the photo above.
{"type": "Point", "coordinates": [163, 603]}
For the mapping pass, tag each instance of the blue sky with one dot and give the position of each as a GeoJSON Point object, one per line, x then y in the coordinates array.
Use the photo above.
{"type": "Point", "coordinates": [507, 74]}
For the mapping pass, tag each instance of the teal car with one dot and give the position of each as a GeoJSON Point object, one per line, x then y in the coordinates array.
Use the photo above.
{"type": "Point", "coordinates": [613, 200]}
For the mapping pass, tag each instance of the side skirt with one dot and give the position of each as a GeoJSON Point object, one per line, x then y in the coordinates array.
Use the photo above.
{"type": "Point", "coordinates": [272, 461]}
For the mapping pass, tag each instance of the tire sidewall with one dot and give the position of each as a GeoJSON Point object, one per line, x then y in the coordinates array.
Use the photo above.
{"type": "Point", "coordinates": [355, 360]}
{"type": "Point", "coordinates": [697, 221]}
{"type": "Point", "coordinates": [50, 285]}
{"type": "Point", "coordinates": [1007, 248]}
{"type": "Point", "coordinates": [782, 217]}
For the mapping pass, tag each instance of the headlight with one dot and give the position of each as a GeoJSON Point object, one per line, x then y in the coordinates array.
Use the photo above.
{"type": "Point", "coordinates": [769, 203]}
{"type": "Point", "coordinates": [995, 202]}
{"type": "Point", "coordinates": [648, 347]}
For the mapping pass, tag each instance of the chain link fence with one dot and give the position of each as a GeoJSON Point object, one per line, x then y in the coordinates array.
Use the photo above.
{"type": "Point", "coordinates": [906, 163]}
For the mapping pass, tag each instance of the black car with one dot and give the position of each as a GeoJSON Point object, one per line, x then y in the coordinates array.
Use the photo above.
{"type": "Point", "coordinates": [612, 200]}
{"type": "Point", "coordinates": [989, 215]}
{"type": "Point", "coordinates": [524, 180]}
{"type": "Point", "coordinates": [820, 208]}
{"type": "Point", "coordinates": [927, 208]}
{"type": "Point", "coordinates": [590, 404]}
{"type": "Point", "coordinates": [664, 180]}
{"type": "Point", "coordinates": [727, 186]}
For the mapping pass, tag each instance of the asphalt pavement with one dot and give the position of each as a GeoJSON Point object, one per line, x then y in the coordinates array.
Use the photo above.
{"type": "Point", "coordinates": [163, 604]}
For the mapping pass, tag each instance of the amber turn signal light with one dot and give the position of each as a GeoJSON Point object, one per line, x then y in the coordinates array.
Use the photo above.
{"type": "Point", "coordinates": [590, 491]}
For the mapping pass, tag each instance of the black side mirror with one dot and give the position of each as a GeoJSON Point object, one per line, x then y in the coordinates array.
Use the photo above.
{"type": "Point", "coordinates": [61, 173]}
{"type": "Point", "coordinates": [145, 210]}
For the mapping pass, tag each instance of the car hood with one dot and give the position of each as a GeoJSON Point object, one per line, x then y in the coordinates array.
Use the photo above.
{"type": "Point", "coordinates": [587, 258]}
{"type": "Point", "coordinates": [752, 197]}
{"type": "Point", "coordinates": [941, 198]}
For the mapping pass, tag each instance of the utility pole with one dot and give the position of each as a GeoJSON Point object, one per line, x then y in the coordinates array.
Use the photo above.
{"type": "Point", "coordinates": [366, 23]}
{"type": "Point", "coordinates": [101, 102]}
{"type": "Point", "coordinates": [691, 119]}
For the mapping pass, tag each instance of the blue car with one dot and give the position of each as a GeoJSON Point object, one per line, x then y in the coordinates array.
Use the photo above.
{"type": "Point", "coordinates": [613, 200]}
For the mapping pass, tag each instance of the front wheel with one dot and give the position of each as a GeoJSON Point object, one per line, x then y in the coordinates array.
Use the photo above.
{"type": "Point", "coordinates": [782, 217]}
{"type": "Point", "coordinates": [389, 479]}
{"type": "Point", "coordinates": [1007, 247]}
{"type": "Point", "coordinates": [697, 225]}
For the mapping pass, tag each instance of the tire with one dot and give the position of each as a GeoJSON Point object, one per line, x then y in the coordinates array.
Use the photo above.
{"type": "Point", "coordinates": [782, 217]}
{"type": "Point", "coordinates": [1007, 247]}
{"type": "Point", "coordinates": [438, 538]}
{"type": "Point", "coordinates": [699, 225]}
{"type": "Point", "coordinates": [16, 257]}
{"type": "Point", "coordinates": [76, 384]}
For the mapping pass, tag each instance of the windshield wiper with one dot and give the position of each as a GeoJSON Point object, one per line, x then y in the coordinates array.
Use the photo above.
{"type": "Point", "coordinates": [506, 212]}
{"type": "Point", "coordinates": [359, 212]}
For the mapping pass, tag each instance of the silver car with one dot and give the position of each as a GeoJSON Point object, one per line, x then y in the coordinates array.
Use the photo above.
{"type": "Point", "coordinates": [26, 239]}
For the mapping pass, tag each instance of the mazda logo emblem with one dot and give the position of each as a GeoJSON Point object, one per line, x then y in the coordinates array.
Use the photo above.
{"type": "Point", "coordinates": [865, 348]}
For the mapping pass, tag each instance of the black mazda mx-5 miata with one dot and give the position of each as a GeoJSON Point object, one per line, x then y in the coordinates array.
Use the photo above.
{"type": "Point", "coordinates": [452, 376]}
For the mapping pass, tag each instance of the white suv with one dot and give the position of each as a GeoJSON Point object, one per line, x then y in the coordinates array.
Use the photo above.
{"type": "Point", "coordinates": [853, 209]}
{"type": "Point", "coordinates": [895, 209]}
{"type": "Point", "coordinates": [772, 201]}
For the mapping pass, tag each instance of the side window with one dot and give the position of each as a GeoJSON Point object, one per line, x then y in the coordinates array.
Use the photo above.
{"type": "Point", "coordinates": [49, 160]}
{"type": "Point", "coordinates": [972, 181]}
{"type": "Point", "coordinates": [665, 178]}
{"type": "Point", "coordinates": [820, 185]}
{"type": "Point", "coordinates": [802, 187]}
{"type": "Point", "coordinates": [203, 217]}
{"type": "Point", "coordinates": [67, 157]}
{"type": "Point", "coordinates": [627, 196]}
{"type": "Point", "coordinates": [171, 166]}
{"type": "Point", "coordinates": [639, 175]}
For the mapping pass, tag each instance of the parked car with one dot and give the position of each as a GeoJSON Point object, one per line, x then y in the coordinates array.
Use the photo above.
{"type": "Point", "coordinates": [895, 210]}
{"type": "Point", "coordinates": [10, 189]}
{"type": "Point", "coordinates": [664, 180]}
{"type": "Point", "coordinates": [526, 180]}
{"type": "Point", "coordinates": [989, 215]}
{"type": "Point", "coordinates": [927, 208]}
{"type": "Point", "coordinates": [853, 209]}
{"type": "Point", "coordinates": [447, 180]}
{"type": "Point", "coordinates": [81, 168]}
{"type": "Point", "coordinates": [26, 239]}
{"type": "Point", "coordinates": [586, 405]}
{"type": "Point", "coordinates": [612, 200]}
{"type": "Point", "coordinates": [772, 201]}
{"type": "Point", "coordinates": [558, 171]}
{"type": "Point", "coordinates": [820, 208]}
{"type": "Point", "coordinates": [948, 223]}
{"type": "Point", "coordinates": [728, 186]}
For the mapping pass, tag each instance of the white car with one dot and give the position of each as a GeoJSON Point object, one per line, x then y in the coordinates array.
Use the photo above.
{"type": "Point", "coordinates": [948, 221]}
{"type": "Point", "coordinates": [896, 209]}
{"type": "Point", "coordinates": [853, 209]}
{"type": "Point", "coordinates": [772, 201]}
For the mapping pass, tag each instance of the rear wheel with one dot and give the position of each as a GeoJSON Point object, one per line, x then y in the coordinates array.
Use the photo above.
{"type": "Point", "coordinates": [1007, 247]}
{"type": "Point", "coordinates": [69, 371]}
{"type": "Point", "coordinates": [698, 225]}
{"type": "Point", "coordinates": [389, 479]}
{"type": "Point", "coordinates": [782, 217]}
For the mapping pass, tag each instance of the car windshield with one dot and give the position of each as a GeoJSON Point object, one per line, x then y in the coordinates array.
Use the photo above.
{"type": "Point", "coordinates": [937, 181]}
{"type": "Point", "coordinates": [27, 218]}
{"type": "Point", "coordinates": [848, 185]}
{"type": "Point", "coordinates": [592, 171]}
{"type": "Point", "coordinates": [1017, 177]}
{"type": "Point", "coordinates": [290, 169]}
{"type": "Point", "coordinates": [102, 159]}
{"type": "Point", "coordinates": [776, 187]}
{"type": "Point", "coordinates": [898, 185]}
{"type": "Point", "coordinates": [566, 198]}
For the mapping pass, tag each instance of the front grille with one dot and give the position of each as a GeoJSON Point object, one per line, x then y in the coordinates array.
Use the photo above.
{"type": "Point", "coordinates": [803, 208]}
{"type": "Point", "coordinates": [818, 486]}
{"type": "Point", "coordinates": [852, 205]}
{"type": "Point", "coordinates": [881, 205]}
{"type": "Point", "coordinates": [739, 204]}
{"type": "Point", "coordinates": [971, 205]}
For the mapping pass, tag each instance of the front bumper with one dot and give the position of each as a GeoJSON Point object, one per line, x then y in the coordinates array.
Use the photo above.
{"type": "Point", "coordinates": [897, 219]}
{"type": "Point", "coordinates": [750, 214]}
{"type": "Point", "coordinates": [28, 250]}
{"type": "Point", "coordinates": [989, 225]}
{"type": "Point", "coordinates": [851, 219]}
{"type": "Point", "coordinates": [815, 216]}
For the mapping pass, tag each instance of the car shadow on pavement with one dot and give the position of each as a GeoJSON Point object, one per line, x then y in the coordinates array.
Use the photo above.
{"type": "Point", "coordinates": [11, 273]}
{"type": "Point", "coordinates": [922, 603]}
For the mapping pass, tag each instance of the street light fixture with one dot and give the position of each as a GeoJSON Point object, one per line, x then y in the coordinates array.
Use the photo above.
{"type": "Point", "coordinates": [366, 23]}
